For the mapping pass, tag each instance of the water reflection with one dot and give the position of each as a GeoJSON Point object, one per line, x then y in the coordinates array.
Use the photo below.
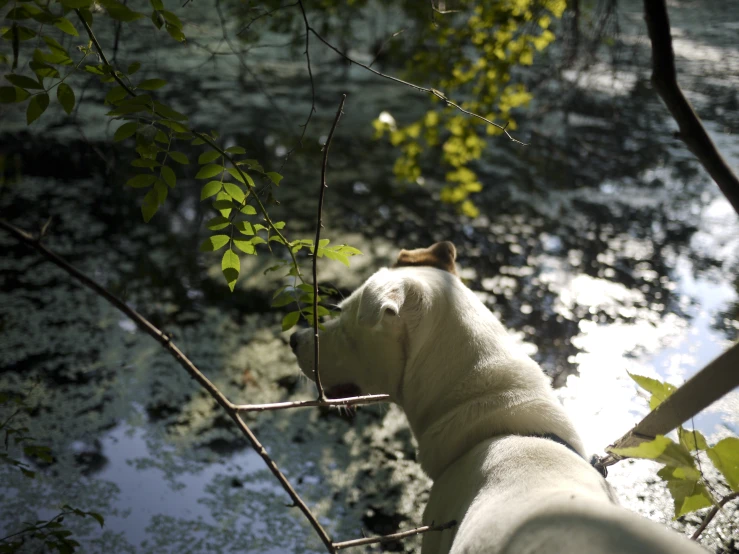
{"type": "Point", "coordinates": [603, 247]}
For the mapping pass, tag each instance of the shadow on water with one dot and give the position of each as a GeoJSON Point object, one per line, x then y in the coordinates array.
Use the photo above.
{"type": "Point", "coordinates": [604, 227]}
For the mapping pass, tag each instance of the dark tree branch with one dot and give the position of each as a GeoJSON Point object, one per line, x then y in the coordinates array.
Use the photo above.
{"type": "Point", "coordinates": [395, 536]}
{"type": "Point", "coordinates": [710, 515]}
{"type": "Point", "coordinates": [319, 225]}
{"type": "Point", "coordinates": [692, 132]}
{"type": "Point", "coordinates": [163, 339]}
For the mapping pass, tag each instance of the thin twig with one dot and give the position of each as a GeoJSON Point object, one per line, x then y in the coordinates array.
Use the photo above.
{"type": "Point", "coordinates": [166, 342]}
{"type": "Point", "coordinates": [319, 225]}
{"type": "Point", "coordinates": [310, 72]}
{"type": "Point", "coordinates": [692, 132]}
{"type": "Point", "coordinates": [710, 515]}
{"type": "Point", "coordinates": [438, 94]}
{"type": "Point", "coordinates": [327, 403]}
{"type": "Point", "coordinates": [260, 16]}
{"type": "Point", "coordinates": [394, 536]}
{"type": "Point", "coordinates": [384, 44]}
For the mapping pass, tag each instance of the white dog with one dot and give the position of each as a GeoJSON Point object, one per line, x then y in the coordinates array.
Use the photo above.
{"type": "Point", "coordinates": [506, 462]}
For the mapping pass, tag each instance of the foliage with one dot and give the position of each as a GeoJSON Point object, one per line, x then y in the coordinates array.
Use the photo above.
{"type": "Point", "coordinates": [50, 532]}
{"type": "Point", "coordinates": [155, 128]}
{"type": "Point", "coordinates": [681, 469]}
{"type": "Point", "coordinates": [472, 55]}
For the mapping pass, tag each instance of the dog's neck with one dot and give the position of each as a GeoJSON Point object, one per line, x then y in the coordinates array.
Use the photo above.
{"type": "Point", "coordinates": [483, 387]}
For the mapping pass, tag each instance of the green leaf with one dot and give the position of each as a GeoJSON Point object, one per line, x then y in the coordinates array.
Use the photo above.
{"type": "Point", "coordinates": [142, 180]}
{"type": "Point", "coordinates": [725, 456]}
{"type": "Point", "coordinates": [209, 171]}
{"type": "Point", "coordinates": [115, 95]}
{"type": "Point", "coordinates": [235, 192]}
{"type": "Point", "coordinates": [689, 496]}
{"type": "Point", "coordinates": [245, 228]}
{"type": "Point", "coordinates": [208, 157]}
{"type": "Point", "coordinates": [23, 82]}
{"type": "Point", "coordinates": [235, 150]}
{"type": "Point", "coordinates": [161, 191]}
{"type": "Point", "coordinates": [211, 188]}
{"type": "Point", "coordinates": [334, 255]}
{"type": "Point", "coordinates": [245, 246]}
{"type": "Point", "coordinates": [150, 205]}
{"type": "Point", "coordinates": [659, 390]}
{"type": "Point", "coordinates": [169, 176]}
{"type": "Point", "coordinates": [168, 112]}
{"type": "Point", "coordinates": [175, 32]}
{"type": "Point", "coordinates": [171, 18]}
{"type": "Point", "coordinates": [133, 68]}
{"type": "Point", "coordinates": [97, 517]}
{"type": "Point", "coordinates": [283, 299]}
{"type": "Point", "coordinates": [244, 180]}
{"type": "Point", "coordinates": [36, 107]}
{"type": "Point", "coordinates": [661, 449]}
{"type": "Point", "coordinates": [145, 162]}
{"type": "Point", "coordinates": [65, 96]}
{"type": "Point", "coordinates": [230, 265]}
{"type": "Point", "coordinates": [692, 440]}
{"type": "Point", "coordinates": [157, 4]}
{"type": "Point", "coordinates": [10, 95]}
{"type": "Point", "coordinates": [217, 223]}
{"type": "Point", "coordinates": [257, 240]}
{"type": "Point", "coordinates": [274, 177]}
{"type": "Point", "coordinates": [177, 127]}
{"type": "Point", "coordinates": [119, 11]}
{"type": "Point", "coordinates": [65, 26]}
{"type": "Point", "coordinates": [151, 84]}
{"type": "Point", "coordinates": [248, 210]}
{"type": "Point", "coordinates": [349, 250]}
{"type": "Point", "coordinates": [27, 473]}
{"type": "Point", "coordinates": [216, 242]}
{"type": "Point", "coordinates": [290, 320]}
{"type": "Point", "coordinates": [179, 157]}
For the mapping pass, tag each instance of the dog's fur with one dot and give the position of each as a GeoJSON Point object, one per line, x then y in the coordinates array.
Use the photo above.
{"type": "Point", "coordinates": [484, 416]}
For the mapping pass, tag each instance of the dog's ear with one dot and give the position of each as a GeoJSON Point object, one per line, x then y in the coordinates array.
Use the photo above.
{"type": "Point", "coordinates": [440, 255]}
{"type": "Point", "coordinates": [378, 302]}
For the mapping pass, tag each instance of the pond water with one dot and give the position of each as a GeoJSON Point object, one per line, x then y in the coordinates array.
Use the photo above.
{"type": "Point", "coordinates": [603, 247]}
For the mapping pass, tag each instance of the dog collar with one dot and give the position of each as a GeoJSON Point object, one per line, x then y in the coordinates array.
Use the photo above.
{"type": "Point", "coordinates": [593, 461]}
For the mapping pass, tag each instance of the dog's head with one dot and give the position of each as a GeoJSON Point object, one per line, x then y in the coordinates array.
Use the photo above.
{"type": "Point", "coordinates": [365, 350]}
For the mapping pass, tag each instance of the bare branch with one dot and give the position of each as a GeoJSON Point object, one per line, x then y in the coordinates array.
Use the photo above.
{"type": "Point", "coordinates": [394, 536]}
{"type": "Point", "coordinates": [319, 225]}
{"type": "Point", "coordinates": [265, 14]}
{"type": "Point", "coordinates": [327, 403]}
{"type": "Point", "coordinates": [310, 72]}
{"type": "Point", "coordinates": [438, 94]}
{"type": "Point", "coordinates": [183, 360]}
{"type": "Point", "coordinates": [692, 132]}
{"type": "Point", "coordinates": [710, 515]}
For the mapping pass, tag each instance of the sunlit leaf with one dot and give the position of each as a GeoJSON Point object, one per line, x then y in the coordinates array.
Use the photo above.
{"type": "Point", "coordinates": [210, 189]}
{"type": "Point", "coordinates": [235, 150]}
{"type": "Point", "coordinates": [692, 440]}
{"type": "Point", "coordinates": [659, 390]}
{"type": "Point", "coordinates": [248, 210]}
{"type": "Point", "coordinates": [235, 192]}
{"type": "Point", "coordinates": [661, 449]}
{"type": "Point", "coordinates": [230, 265]}
{"type": "Point", "coordinates": [289, 321]}
{"type": "Point", "coordinates": [217, 223]}
{"type": "Point", "coordinates": [216, 242]}
{"type": "Point", "coordinates": [725, 456]}
{"type": "Point", "coordinates": [245, 228]}
{"type": "Point", "coordinates": [274, 177]}
{"type": "Point", "coordinates": [209, 171]}
{"type": "Point", "coordinates": [689, 496]}
{"type": "Point", "coordinates": [245, 246]}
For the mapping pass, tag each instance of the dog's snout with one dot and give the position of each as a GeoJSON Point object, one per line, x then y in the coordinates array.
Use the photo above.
{"type": "Point", "coordinates": [294, 341]}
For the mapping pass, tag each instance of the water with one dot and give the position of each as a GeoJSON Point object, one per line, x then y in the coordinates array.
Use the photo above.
{"type": "Point", "coordinates": [603, 246]}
